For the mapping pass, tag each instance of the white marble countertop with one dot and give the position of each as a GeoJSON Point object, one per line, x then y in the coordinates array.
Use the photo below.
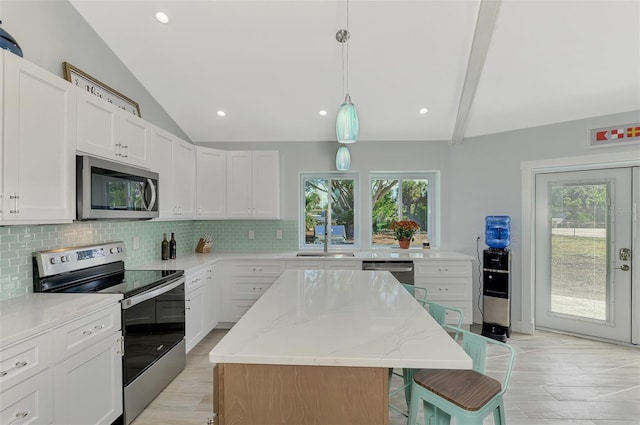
{"type": "Point", "coordinates": [193, 261]}
{"type": "Point", "coordinates": [339, 318]}
{"type": "Point", "coordinates": [28, 315]}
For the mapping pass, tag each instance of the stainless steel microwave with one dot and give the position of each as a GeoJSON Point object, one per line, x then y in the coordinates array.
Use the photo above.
{"type": "Point", "coordinates": [109, 190]}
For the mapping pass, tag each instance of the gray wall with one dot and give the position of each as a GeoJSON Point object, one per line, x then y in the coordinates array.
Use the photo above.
{"type": "Point", "coordinates": [52, 31]}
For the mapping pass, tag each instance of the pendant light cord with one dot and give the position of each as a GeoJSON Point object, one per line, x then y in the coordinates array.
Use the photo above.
{"type": "Point", "coordinates": [347, 43]}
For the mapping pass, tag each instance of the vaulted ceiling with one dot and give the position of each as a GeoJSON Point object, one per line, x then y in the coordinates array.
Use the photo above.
{"type": "Point", "coordinates": [479, 66]}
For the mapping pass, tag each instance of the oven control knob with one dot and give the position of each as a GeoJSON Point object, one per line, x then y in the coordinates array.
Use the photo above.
{"type": "Point", "coordinates": [65, 258]}
{"type": "Point", "coordinates": [112, 251]}
{"type": "Point", "coordinates": [53, 260]}
{"type": "Point", "coordinates": [119, 249]}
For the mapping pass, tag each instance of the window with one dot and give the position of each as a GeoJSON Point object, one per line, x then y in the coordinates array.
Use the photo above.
{"type": "Point", "coordinates": [329, 198]}
{"type": "Point", "coordinates": [401, 197]}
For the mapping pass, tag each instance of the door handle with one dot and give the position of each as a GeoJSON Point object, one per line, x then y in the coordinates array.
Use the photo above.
{"type": "Point", "coordinates": [624, 268]}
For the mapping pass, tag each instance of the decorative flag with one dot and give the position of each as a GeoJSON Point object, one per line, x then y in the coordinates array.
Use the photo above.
{"type": "Point", "coordinates": [615, 135]}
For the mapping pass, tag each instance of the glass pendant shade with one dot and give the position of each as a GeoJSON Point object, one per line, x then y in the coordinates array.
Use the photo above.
{"type": "Point", "coordinates": [343, 158]}
{"type": "Point", "coordinates": [347, 125]}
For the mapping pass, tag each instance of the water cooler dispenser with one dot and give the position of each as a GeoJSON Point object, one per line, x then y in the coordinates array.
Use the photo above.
{"type": "Point", "coordinates": [496, 277]}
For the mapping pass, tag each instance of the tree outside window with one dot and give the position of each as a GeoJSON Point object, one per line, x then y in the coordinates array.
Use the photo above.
{"type": "Point", "coordinates": [398, 198]}
{"type": "Point", "coordinates": [329, 198]}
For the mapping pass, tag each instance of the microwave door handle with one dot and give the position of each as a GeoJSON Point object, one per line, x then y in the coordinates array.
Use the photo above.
{"type": "Point", "coordinates": [152, 202]}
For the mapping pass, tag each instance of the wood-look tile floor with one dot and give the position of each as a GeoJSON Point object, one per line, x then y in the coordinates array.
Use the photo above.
{"type": "Point", "coordinates": [557, 380]}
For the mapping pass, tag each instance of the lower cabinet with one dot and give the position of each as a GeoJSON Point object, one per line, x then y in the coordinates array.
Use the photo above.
{"type": "Point", "coordinates": [71, 374]}
{"type": "Point", "coordinates": [87, 387]}
{"type": "Point", "coordinates": [29, 402]}
{"type": "Point", "coordinates": [201, 305]}
{"type": "Point", "coordinates": [242, 283]}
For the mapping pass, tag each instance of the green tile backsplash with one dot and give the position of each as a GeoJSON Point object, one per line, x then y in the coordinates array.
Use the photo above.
{"type": "Point", "coordinates": [18, 242]}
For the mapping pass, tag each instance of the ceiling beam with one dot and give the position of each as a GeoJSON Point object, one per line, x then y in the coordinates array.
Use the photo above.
{"type": "Point", "coordinates": [487, 16]}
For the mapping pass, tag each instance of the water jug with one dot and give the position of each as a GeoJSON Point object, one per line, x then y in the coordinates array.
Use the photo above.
{"type": "Point", "coordinates": [497, 232]}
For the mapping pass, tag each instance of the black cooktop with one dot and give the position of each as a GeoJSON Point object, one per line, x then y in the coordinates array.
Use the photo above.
{"type": "Point", "coordinates": [127, 282]}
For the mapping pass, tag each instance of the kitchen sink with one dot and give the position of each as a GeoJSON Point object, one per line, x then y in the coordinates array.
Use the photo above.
{"type": "Point", "coordinates": [325, 254]}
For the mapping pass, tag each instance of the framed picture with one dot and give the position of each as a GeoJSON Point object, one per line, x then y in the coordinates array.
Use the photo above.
{"type": "Point", "coordinates": [103, 91]}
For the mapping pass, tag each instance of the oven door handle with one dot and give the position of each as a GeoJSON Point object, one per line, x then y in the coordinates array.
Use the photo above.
{"type": "Point", "coordinates": [137, 299]}
{"type": "Point", "coordinates": [388, 269]}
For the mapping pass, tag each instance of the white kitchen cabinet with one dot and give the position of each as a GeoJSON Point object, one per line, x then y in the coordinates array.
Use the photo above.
{"type": "Point", "coordinates": [243, 283]}
{"type": "Point", "coordinates": [184, 179]}
{"type": "Point", "coordinates": [210, 299]}
{"type": "Point", "coordinates": [69, 374]}
{"type": "Point", "coordinates": [194, 308]}
{"type": "Point", "coordinates": [109, 132]}
{"type": "Point", "coordinates": [38, 145]}
{"type": "Point", "coordinates": [29, 402]}
{"type": "Point", "coordinates": [211, 183]}
{"type": "Point", "coordinates": [88, 386]}
{"type": "Point", "coordinates": [253, 184]}
{"type": "Point", "coordinates": [174, 160]}
{"type": "Point", "coordinates": [448, 282]}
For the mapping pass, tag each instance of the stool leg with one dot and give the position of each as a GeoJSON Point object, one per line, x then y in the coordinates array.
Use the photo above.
{"type": "Point", "coordinates": [413, 409]}
{"type": "Point", "coordinates": [498, 414]}
{"type": "Point", "coordinates": [440, 417]}
{"type": "Point", "coordinates": [407, 375]}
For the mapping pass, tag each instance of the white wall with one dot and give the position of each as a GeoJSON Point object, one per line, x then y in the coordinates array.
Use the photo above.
{"type": "Point", "coordinates": [52, 31]}
{"type": "Point", "coordinates": [486, 180]}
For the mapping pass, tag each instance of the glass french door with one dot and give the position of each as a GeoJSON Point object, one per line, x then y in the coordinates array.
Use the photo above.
{"type": "Point", "coordinates": [583, 238]}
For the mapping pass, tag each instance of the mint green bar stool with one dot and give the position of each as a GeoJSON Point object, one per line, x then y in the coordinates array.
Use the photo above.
{"type": "Point", "coordinates": [467, 395]}
{"type": "Point", "coordinates": [439, 313]}
{"type": "Point", "coordinates": [420, 294]}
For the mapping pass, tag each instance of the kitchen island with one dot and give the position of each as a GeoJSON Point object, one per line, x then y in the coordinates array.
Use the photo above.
{"type": "Point", "coordinates": [317, 346]}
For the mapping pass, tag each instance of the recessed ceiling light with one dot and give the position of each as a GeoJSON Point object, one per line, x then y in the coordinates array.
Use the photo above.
{"type": "Point", "coordinates": [323, 113]}
{"type": "Point", "coordinates": [162, 17]}
{"type": "Point", "coordinates": [423, 111]}
{"type": "Point", "coordinates": [221, 113]}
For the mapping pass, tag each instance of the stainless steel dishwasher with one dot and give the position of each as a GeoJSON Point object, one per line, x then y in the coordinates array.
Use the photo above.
{"type": "Point", "coordinates": [401, 270]}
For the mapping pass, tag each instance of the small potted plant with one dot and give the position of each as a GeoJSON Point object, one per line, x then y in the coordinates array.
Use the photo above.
{"type": "Point", "coordinates": [403, 231]}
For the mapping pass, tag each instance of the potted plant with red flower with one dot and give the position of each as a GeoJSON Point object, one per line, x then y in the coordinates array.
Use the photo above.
{"type": "Point", "coordinates": [403, 231]}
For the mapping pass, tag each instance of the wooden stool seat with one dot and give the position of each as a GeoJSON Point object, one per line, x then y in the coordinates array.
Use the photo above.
{"type": "Point", "coordinates": [467, 389]}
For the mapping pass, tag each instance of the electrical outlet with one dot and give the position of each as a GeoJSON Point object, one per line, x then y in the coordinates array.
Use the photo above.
{"type": "Point", "coordinates": [136, 242]}
{"type": "Point", "coordinates": [279, 234]}
{"type": "Point", "coordinates": [252, 235]}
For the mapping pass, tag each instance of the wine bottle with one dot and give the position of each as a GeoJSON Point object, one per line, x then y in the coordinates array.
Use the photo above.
{"type": "Point", "coordinates": [172, 247]}
{"type": "Point", "coordinates": [165, 247]}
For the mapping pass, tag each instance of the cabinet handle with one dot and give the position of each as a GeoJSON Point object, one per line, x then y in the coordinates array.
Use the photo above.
{"type": "Point", "coordinates": [19, 416]}
{"type": "Point", "coordinates": [121, 350]}
{"type": "Point", "coordinates": [98, 327]}
{"type": "Point", "coordinates": [18, 365]}
{"type": "Point", "coordinates": [87, 333]}
{"type": "Point", "coordinates": [15, 203]}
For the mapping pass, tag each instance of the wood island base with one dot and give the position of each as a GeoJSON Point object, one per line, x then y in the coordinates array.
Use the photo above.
{"type": "Point", "coordinates": [255, 394]}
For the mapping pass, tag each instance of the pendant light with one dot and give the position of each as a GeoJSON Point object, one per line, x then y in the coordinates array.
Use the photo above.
{"type": "Point", "coordinates": [347, 125]}
{"type": "Point", "coordinates": [343, 158]}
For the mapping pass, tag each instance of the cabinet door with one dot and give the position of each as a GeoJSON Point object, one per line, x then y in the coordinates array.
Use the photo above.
{"type": "Point", "coordinates": [211, 300]}
{"type": "Point", "coordinates": [97, 126]}
{"type": "Point", "coordinates": [135, 134]}
{"type": "Point", "coordinates": [184, 179]}
{"type": "Point", "coordinates": [211, 183]}
{"type": "Point", "coordinates": [265, 186]}
{"type": "Point", "coordinates": [88, 385]}
{"type": "Point", "coordinates": [39, 144]}
{"type": "Point", "coordinates": [239, 184]}
{"type": "Point", "coordinates": [194, 306]}
{"type": "Point", "coordinates": [161, 161]}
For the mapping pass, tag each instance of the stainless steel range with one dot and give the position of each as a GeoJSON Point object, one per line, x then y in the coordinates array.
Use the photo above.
{"type": "Point", "coordinates": [153, 312]}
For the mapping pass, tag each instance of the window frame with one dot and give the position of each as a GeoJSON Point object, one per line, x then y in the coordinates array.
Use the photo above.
{"type": "Point", "coordinates": [357, 220]}
{"type": "Point", "coordinates": [433, 203]}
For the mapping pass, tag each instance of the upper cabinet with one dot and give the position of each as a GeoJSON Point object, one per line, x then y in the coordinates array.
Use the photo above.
{"type": "Point", "coordinates": [109, 132]}
{"type": "Point", "coordinates": [174, 160]}
{"type": "Point", "coordinates": [253, 184]}
{"type": "Point", "coordinates": [211, 183]}
{"type": "Point", "coordinates": [37, 146]}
